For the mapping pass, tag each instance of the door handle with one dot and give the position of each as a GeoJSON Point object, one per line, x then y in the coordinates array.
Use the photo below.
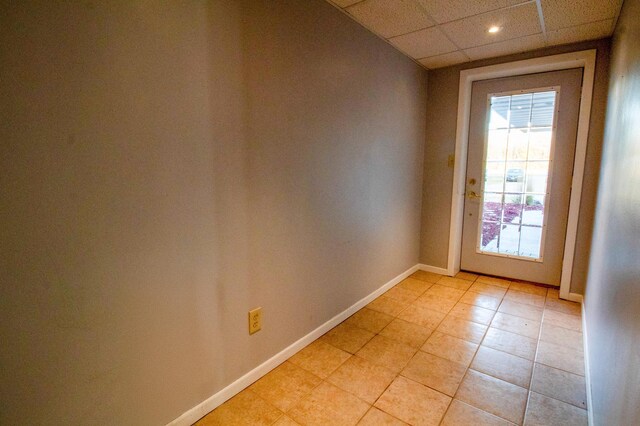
{"type": "Point", "coordinates": [472, 195]}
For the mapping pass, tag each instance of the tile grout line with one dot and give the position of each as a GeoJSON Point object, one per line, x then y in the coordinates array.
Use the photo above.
{"type": "Point", "coordinates": [471, 362]}
{"type": "Point", "coordinates": [476, 353]}
{"type": "Point", "coordinates": [535, 358]}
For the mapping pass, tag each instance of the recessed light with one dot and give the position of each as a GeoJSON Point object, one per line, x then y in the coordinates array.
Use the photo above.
{"type": "Point", "coordinates": [493, 29]}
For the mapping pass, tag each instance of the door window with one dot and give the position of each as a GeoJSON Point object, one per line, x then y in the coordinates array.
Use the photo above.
{"type": "Point", "coordinates": [518, 153]}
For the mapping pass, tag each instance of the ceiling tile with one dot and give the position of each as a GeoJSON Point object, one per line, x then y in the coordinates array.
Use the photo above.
{"type": "Point", "coordinates": [449, 10]}
{"type": "Point", "coordinates": [344, 3]}
{"type": "Point", "coordinates": [568, 13]}
{"type": "Point", "coordinates": [390, 18]}
{"type": "Point", "coordinates": [508, 47]}
{"type": "Point", "coordinates": [423, 43]}
{"type": "Point", "coordinates": [515, 22]}
{"type": "Point", "coordinates": [590, 31]}
{"type": "Point", "coordinates": [445, 60]}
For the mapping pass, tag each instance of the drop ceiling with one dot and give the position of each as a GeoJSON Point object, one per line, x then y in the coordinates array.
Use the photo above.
{"type": "Point", "coordinates": [439, 33]}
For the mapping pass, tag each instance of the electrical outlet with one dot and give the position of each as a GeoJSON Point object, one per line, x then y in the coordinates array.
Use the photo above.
{"type": "Point", "coordinates": [255, 320]}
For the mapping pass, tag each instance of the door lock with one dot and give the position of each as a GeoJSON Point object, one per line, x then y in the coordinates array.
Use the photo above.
{"type": "Point", "coordinates": [472, 195]}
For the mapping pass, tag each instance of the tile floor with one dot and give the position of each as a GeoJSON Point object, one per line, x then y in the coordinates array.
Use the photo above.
{"type": "Point", "coordinates": [433, 350]}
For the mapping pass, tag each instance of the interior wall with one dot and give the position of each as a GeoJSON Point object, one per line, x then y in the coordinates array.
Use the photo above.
{"type": "Point", "coordinates": [612, 300]}
{"type": "Point", "coordinates": [168, 166]}
{"type": "Point", "coordinates": [442, 112]}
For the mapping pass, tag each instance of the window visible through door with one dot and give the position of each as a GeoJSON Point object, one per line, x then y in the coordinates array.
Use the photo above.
{"type": "Point", "coordinates": [518, 152]}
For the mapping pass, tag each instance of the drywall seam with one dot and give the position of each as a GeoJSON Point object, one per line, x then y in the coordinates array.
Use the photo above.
{"type": "Point", "coordinates": [195, 413]}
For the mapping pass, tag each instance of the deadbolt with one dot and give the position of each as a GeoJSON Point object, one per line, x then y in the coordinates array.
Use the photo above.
{"type": "Point", "coordinates": [472, 195]}
{"type": "Point", "coordinates": [472, 181]}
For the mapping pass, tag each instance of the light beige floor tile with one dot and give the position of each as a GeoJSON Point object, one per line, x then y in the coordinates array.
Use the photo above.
{"type": "Point", "coordinates": [369, 320]}
{"type": "Point", "coordinates": [328, 404]}
{"type": "Point", "coordinates": [403, 295]}
{"type": "Point", "coordinates": [493, 395]}
{"type": "Point", "coordinates": [426, 276]}
{"type": "Point", "coordinates": [561, 319]}
{"type": "Point", "coordinates": [461, 414]}
{"type": "Point", "coordinates": [564, 306]}
{"type": "Point", "coordinates": [387, 353]}
{"type": "Point", "coordinates": [388, 305]}
{"type": "Point", "coordinates": [472, 313]}
{"type": "Point", "coordinates": [413, 403]}
{"type": "Point", "coordinates": [521, 310]}
{"type": "Point", "coordinates": [488, 289]}
{"type": "Point", "coordinates": [561, 357]}
{"type": "Point", "coordinates": [518, 325]}
{"type": "Point", "coordinates": [544, 411]}
{"type": "Point", "coordinates": [561, 336]}
{"type": "Point", "coordinates": [286, 421]}
{"type": "Point", "coordinates": [246, 408]}
{"type": "Point", "coordinates": [435, 303]}
{"type": "Point", "coordinates": [498, 282]}
{"type": "Point", "coordinates": [504, 366]}
{"type": "Point", "coordinates": [285, 385]}
{"type": "Point", "coordinates": [320, 358]}
{"type": "Point", "coordinates": [560, 385]}
{"type": "Point", "coordinates": [466, 330]}
{"type": "Point", "coordinates": [375, 417]}
{"type": "Point", "coordinates": [458, 283]}
{"type": "Point", "coordinates": [481, 300]}
{"type": "Point", "coordinates": [406, 332]}
{"type": "Point", "coordinates": [469, 276]}
{"type": "Point", "coordinates": [362, 378]}
{"type": "Point", "coordinates": [451, 348]}
{"type": "Point", "coordinates": [525, 298]}
{"type": "Point", "coordinates": [422, 316]}
{"type": "Point", "coordinates": [445, 292]}
{"type": "Point", "coordinates": [437, 373]}
{"type": "Point", "coordinates": [347, 337]}
{"type": "Point", "coordinates": [495, 385]}
{"type": "Point", "coordinates": [415, 285]}
{"type": "Point", "coordinates": [528, 288]}
{"type": "Point", "coordinates": [512, 343]}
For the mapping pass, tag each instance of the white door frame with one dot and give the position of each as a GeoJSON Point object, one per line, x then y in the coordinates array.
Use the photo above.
{"type": "Point", "coordinates": [585, 59]}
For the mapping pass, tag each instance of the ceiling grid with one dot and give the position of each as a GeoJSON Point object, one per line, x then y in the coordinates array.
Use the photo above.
{"type": "Point", "coordinates": [439, 33]}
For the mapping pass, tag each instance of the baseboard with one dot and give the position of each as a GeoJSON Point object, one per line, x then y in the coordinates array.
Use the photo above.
{"type": "Point", "coordinates": [587, 369]}
{"type": "Point", "coordinates": [434, 269]}
{"type": "Point", "coordinates": [575, 297]}
{"type": "Point", "coordinates": [217, 399]}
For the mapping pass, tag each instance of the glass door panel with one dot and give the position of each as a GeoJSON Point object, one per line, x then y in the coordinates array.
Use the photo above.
{"type": "Point", "coordinates": [518, 153]}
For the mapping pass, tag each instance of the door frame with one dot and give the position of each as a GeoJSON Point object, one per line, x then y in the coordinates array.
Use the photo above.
{"type": "Point", "coordinates": [585, 59]}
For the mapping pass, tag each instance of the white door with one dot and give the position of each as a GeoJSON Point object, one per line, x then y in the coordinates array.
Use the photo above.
{"type": "Point", "coordinates": [522, 139]}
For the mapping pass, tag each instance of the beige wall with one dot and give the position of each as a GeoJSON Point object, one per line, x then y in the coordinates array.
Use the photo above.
{"type": "Point", "coordinates": [441, 135]}
{"type": "Point", "coordinates": [167, 166]}
{"type": "Point", "coordinates": [612, 300]}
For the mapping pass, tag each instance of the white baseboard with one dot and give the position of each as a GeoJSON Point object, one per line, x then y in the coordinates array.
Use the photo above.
{"type": "Point", "coordinates": [575, 297]}
{"type": "Point", "coordinates": [434, 269]}
{"type": "Point", "coordinates": [217, 399]}
{"type": "Point", "coordinates": [587, 370]}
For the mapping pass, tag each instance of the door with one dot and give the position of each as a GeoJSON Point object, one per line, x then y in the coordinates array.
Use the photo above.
{"type": "Point", "coordinates": [522, 139]}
